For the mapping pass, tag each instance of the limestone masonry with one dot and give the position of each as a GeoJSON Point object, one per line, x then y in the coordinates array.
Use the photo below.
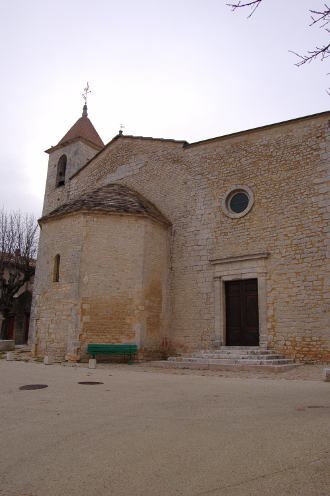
{"type": "Point", "coordinates": [179, 247]}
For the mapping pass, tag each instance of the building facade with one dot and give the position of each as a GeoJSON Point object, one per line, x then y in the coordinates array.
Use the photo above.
{"type": "Point", "coordinates": [19, 314]}
{"type": "Point", "coordinates": [182, 246]}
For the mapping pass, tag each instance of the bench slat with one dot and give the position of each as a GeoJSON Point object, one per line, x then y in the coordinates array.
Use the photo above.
{"type": "Point", "coordinates": [112, 349]}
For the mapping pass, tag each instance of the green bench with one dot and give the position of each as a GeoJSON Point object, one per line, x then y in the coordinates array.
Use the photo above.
{"type": "Point", "coordinates": [129, 350]}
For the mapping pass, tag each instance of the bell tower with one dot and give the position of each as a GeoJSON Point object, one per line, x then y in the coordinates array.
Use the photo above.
{"type": "Point", "coordinates": [73, 151]}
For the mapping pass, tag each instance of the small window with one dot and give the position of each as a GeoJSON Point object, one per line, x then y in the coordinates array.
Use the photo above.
{"type": "Point", "coordinates": [238, 201]}
{"type": "Point", "coordinates": [56, 271]}
{"type": "Point", "coordinates": [60, 174]}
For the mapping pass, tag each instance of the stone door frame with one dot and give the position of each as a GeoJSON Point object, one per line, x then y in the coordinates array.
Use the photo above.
{"type": "Point", "coordinates": [251, 266]}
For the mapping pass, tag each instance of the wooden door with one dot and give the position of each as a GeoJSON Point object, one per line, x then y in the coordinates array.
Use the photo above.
{"type": "Point", "coordinates": [11, 326]}
{"type": "Point", "coordinates": [242, 319]}
{"type": "Point", "coordinates": [27, 325]}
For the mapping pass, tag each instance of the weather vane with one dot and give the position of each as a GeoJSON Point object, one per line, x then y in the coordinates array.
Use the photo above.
{"type": "Point", "coordinates": [85, 93]}
{"type": "Point", "coordinates": [121, 129]}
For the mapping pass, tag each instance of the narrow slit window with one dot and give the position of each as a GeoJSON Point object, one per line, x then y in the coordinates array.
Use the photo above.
{"type": "Point", "coordinates": [56, 272]}
{"type": "Point", "coordinates": [61, 169]}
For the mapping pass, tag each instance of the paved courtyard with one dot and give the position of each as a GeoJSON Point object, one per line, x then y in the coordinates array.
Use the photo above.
{"type": "Point", "coordinates": [148, 432]}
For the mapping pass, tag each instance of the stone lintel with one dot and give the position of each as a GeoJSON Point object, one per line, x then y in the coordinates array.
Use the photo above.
{"type": "Point", "coordinates": [238, 258]}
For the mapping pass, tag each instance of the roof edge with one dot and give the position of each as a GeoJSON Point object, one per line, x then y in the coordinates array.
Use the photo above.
{"type": "Point", "coordinates": [73, 140]}
{"type": "Point", "coordinates": [98, 153]}
{"type": "Point", "coordinates": [186, 144]}
{"type": "Point", "coordinates": [171, 140]}
{"type": "Point", "coordinates": [125, 136]}
{"type": "Point", "coordinates": [260, 128]}
{"type": "Point", "coordinates": [47, 218]}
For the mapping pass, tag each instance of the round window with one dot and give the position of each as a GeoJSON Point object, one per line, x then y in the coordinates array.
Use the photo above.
{"type": "Point", "coordinates": [237, 202]}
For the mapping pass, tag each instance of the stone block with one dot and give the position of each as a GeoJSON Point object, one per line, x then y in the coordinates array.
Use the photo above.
{"type": "Point", "coordinates": [326, 374]}
{"type": "Point", "coordinates": [10, 356]}
{"type": "Point", "coordinates": [92, 363]}
{"type": "Point", "coordinates": [7, 344]}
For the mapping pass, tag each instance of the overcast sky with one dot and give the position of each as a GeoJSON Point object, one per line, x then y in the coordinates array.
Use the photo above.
{"type": "Point", "coordinates": [176, 69]}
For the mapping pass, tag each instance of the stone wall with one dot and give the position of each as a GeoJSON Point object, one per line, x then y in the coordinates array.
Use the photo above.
{"type": "Point", "coordinates": [55, 307]}
{"type": "Point", "coordinates": [156, 289]}
{"type": "Point", "coordinates": [78, 154]}
{"type": "Point", "coordinates": [112, 286]}
{"type": "Point", "coordinates": [285, 166]}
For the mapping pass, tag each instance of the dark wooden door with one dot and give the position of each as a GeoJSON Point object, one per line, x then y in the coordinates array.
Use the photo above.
{"type": "Point", "coordinates": [242, 319]}
{"type": "Point", "coordinates": [27, 325]}
{"type": "Point", "coordinates": [11, 325]}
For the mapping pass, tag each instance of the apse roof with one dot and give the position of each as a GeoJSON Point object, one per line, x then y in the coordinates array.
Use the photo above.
{"type": "Point", "coordinates": [113, 199]}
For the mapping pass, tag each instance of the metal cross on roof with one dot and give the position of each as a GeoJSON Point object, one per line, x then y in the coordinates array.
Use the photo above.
{"type": "Point", "coordinates": [85, 93]}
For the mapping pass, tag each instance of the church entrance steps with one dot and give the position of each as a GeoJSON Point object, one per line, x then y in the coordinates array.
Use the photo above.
{"type": "Point", "coordinates": [237, 356]}
{"type": "Point", "coordinates": [230, 360]}
{"type": "Point", "coordinates": [238, 351]}
{"type": "Point", "coordinates": [248, 349]}
{"type": "Point", "coordinates": [230, 367]}
{"type": "Point", "coordinates": [226, 358]}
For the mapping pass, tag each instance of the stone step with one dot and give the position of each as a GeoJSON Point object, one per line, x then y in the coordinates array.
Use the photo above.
{"type": "Point", "coordinates": [251, 361]}
{"type": "Point", "coordinates": [165, 364]}
{"type": "Point", "coordinates": [20, 353]}
{"type": "Point", "coordinates": [224, 356]}
{"type": "Point", "coordinates": [245, 348]}
{"type": "Point", "coordinates": [16, 356]}
{"type": "Point", "coordinates": [233, 358]}
{"type": "Point", "coordinates": [234, 352]}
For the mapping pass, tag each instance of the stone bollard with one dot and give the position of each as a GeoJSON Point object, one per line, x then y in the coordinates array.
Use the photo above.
{"type": "Point", "coordinates": [48, 360]}
{"type": "Point", "coordinates": [326, 373]}
{"type": "Point", "coordinates": [10, 356]}
{"type": "Point", "coordinates": [92, 363]}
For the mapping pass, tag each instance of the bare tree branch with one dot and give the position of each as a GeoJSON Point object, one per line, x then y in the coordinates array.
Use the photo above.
{"type": "Point", "coordinates": [253, 4]}
{"type": "Point", "coordinates": [319, 17]}
{"type": "Point", "coordinates": [18, 250]}
{"type": "Point", "coordinates": [323, 16]}
{"type": "Point", "coordinates": [323, 52]}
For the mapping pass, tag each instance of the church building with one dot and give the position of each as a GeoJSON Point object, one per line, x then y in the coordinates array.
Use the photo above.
{"type": "Point", "coordinates": [178, 247]}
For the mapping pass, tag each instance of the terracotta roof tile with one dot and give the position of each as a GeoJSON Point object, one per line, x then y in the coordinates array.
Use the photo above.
{"type": "Point", "coordinates": [83, 128]}
{"type": "Point", "coordinates": [112, 198]}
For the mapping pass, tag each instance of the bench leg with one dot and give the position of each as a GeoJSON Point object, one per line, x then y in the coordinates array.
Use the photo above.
{"type": "Point", "coordinates": [92, 363]}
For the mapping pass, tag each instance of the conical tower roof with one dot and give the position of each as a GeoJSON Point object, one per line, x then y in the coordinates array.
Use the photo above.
{"type": "Point", "coordinates": [84, 130]}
